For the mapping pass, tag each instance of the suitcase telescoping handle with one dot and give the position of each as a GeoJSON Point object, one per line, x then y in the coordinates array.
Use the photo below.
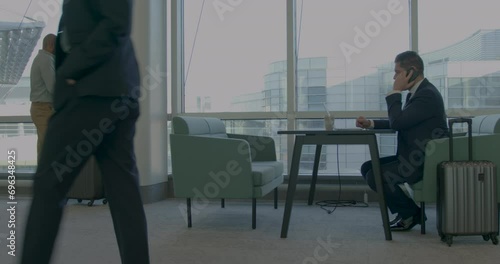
{"type": "Point", "coordinates": [469, 132]}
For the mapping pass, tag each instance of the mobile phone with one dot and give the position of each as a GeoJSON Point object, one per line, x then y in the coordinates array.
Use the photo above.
{"type": "Point", "coordinates": [414, 74]}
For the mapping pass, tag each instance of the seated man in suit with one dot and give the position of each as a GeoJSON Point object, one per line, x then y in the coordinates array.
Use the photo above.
{"type": "Point", "coordinates": [421, 119]}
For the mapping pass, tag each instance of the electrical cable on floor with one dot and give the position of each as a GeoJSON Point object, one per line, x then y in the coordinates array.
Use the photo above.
{"type": "Point", "coordinates": [325, 204]}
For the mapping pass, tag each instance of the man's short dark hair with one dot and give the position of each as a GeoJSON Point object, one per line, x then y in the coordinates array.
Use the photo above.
{"type": "Point", "coordinates": [410, 59]}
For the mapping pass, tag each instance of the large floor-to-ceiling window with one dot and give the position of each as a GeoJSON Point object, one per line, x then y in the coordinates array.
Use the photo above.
{"type": "Point", "coordinates": [234, 65]}
{"type": "Point", "coordinates": [230, 47]}
{"type": "Point", "coordinates": [345, 52]}
{"type": "Point", "coordinates": [23, 24]}
{"type": "Point", "coordinates": [462, 52]}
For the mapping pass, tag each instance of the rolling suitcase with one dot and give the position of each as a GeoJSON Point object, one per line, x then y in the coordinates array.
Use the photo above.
{"type": "Point", "coordinates": [467, 195]}
{"type": "Point", "coordinates": [88, 184]}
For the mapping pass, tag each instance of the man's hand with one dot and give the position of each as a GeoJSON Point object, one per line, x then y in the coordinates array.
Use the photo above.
{"type": "Point", "coordinates": [363, 122]}
{"type": "Point", "coordinates": [401, 81]}
{"type": "Point", "coordinates": [70, 81]}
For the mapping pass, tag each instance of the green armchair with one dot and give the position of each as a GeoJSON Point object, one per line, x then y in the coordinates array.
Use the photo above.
{"type": "Point", "coordinates": [208, 163]}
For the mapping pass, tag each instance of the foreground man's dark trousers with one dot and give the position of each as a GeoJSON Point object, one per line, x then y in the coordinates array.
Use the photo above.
{"type": "Point", "coordinates": [85, 126]}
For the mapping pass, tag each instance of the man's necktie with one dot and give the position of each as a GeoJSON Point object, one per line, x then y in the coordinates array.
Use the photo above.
{"type": "Point", "coordinates": [408, 96]}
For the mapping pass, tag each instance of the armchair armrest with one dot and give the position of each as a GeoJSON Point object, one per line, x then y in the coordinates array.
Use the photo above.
{"type": "Point", "coordinates": [484, 147]}
{"type": "Point", "coordinates": [262, 148]}
{"type": "Point", "coordinates": [436, 152]}
{"type": "Point", "coordinates": [211, 167]}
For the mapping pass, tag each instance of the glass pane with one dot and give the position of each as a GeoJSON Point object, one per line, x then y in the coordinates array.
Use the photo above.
{"type": "Point", "coordinates": [235, 55]}
{"type": "Point", "coordinates": [348, 48]}
{"type": "Point", "coordinates": [461, 53]}
{"type": "Point", "coordinates": [22, 35]}
{"type": "Point", "coordinates": [20, 39]}
{"type": "Point", "coordinates": [267, 128]}
{"type": "Point", "coordinates": [20, 137]}
{"type": "Point", "coordinates": [15, 99]}
{"type": "Point", "coordinates": [343, 159]}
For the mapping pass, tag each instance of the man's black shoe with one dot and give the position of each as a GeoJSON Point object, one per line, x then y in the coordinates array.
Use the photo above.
{"type": "Point", "coordinates": [404, 224]}
{"type": "Point", "coordinates": [395, 220]}
{"type": "Point", "coordinates": [408, 223]}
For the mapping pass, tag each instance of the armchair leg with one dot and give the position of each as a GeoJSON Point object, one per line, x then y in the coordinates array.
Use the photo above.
{"type": "Point", "coordinates": [222, 203]}
{"type": "Point", "coordinates": [422, 218]}
{"type": "Point", "coordinates": [189, 211]}
{"type": "Point", "coordinates": [276, 198]}
{"type": "Point", "coordinates": [254, 212]}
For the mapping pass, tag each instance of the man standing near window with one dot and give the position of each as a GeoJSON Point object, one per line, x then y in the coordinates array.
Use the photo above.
{"type": "Point", "coordinates": [42, 79]}
{"type": "Point", "coordinates": [96, 103]}
{"type": "Point", "coordinates": [422, 118]}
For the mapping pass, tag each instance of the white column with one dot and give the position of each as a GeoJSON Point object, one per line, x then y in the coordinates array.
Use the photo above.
{"type": "Point", "coordinates": [149, 36]}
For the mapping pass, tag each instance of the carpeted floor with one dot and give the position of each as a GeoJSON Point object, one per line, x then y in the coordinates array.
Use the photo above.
{"type": "Point", "coordinates": [348, 235]}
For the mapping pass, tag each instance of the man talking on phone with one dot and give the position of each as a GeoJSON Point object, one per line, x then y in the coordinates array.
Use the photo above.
{"type": "Point", "coordinates": [420, 119]}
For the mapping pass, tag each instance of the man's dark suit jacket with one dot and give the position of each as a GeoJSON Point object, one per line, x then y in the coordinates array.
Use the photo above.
{"type": "Point", "coordinates": [423, 118]}
{"type": "Point", "coordinates": [101, 59]}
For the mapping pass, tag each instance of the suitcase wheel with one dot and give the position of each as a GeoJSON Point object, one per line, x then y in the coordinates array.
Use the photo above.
{"type": "Point", "coordinates": [104, 201]}
{"type": "Point", "coordinates": [90, 203]}
{"type": "Point", "coordinates": [449, 240]}
{"type": "Point", "coordinates": [486, 237]}
{"type": "Point", "coordinates": [494, 239]}
{"type": "Point", "coordinates": [79, 200]}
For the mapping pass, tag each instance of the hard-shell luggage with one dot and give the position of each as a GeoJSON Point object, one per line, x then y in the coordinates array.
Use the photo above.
{"type": "Point", "coordinates": [467, 195]}
{"type": "Point", "coordinates": [88, 184]}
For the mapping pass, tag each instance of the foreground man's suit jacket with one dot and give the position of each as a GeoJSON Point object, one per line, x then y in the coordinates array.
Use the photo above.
{"type": "Point", "coordinates": [99, 58]}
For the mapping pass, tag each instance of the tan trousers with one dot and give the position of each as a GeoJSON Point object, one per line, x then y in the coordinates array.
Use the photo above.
{"type": "Point", "coordinates": [40, 114]}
